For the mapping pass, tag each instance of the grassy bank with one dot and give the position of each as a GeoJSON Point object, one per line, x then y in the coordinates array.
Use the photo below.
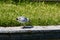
{"type": "Point", "coordinates": [42, 13]}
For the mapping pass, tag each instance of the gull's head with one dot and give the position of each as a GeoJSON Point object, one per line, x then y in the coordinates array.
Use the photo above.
{"type": "Point", "coordinates": [22, 19]}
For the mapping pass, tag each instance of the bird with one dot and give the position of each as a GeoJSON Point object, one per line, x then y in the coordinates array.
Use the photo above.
{"type": "Point", "coordinates": [22, 19]}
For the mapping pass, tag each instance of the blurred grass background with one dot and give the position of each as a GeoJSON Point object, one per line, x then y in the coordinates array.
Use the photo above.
{"type": "Point", "coordinates": [40, 13]}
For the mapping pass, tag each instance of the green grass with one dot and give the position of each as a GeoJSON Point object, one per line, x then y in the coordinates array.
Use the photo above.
{"type": "Point", "coordinates": [42, 13]}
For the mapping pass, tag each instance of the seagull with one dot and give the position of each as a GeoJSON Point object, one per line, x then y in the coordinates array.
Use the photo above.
{"type": "Point", "coordinates": [22, 19]}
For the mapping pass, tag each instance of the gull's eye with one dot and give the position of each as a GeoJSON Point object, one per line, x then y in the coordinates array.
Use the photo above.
{"type": "Point", "coordinates": [16, 18]}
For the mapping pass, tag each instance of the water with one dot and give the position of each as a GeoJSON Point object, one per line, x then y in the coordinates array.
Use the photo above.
{"type": "Point", "coordinates": [29, 36]}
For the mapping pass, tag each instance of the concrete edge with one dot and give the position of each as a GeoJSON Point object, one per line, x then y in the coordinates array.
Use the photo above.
{"type": "Point", "coordinates": [21, 30]}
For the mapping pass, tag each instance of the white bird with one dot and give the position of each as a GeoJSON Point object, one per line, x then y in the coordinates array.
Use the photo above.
{"type": "Point", "coordinates": [22, 19]}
